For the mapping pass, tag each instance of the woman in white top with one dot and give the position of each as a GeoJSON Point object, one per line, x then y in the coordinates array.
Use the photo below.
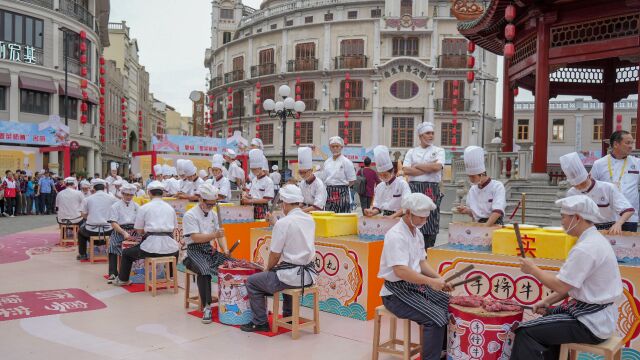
{"type": "Point", "coordinates": [486, 199]}
{"type": "Point", "coordinates": [121, 217]}
{"type": "Point", "coordinates": [338, 175]}
{"type": "Point", "coordinates": [389, 193]}
{"type": "Point", "coordinates": [261, 191]}
{"type": "Point", "coordinates": [590, 277]}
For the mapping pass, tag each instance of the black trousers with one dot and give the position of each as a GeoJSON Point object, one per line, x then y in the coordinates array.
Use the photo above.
{"type": "Point", "coordinates": [204, 289]}
{"type": "Point", "coordinates": [433, 337]}
{"type": "Point", "coordinates": [630, 226]}
{"type": "Point", "coordinates": [10, 205]}
{"type": "Point", "coordinates": [429, 240]}
{"type": "Point", "coordinates": [83, 238]}
{"type": "Point", "coordinates": [365, 202]}
{"type": "Point", "coordinates": [135, 253]}
{"type": "Point", "coordinates": [113, 264]}
{"type": "Point", "coordinates": [542, 342]}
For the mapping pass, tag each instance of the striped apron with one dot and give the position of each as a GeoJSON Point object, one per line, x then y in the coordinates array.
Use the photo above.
{"type": "Point", "coordinates": [604, 226]}
{"type": "Point", "coordinates": [388, 212]}
{"type": "Point", "coordinates": [260, 211]}
{"type": "Point", "coordinates": [116, 239]}
{"type": "Point", "coordinates": [500, 221]}
{"type": "Point", "coordinates": [423, 299]}
{"type": "Point", "coordinates": [310, 268]}
{"type": "Point", "coordinates": [566, 312]}
{"type": "Point", "coordinates": [432, 190]}
{"type": "Point", "coordinates": [233, 185]}
{"type": "Point", "coordinates": [338, 199]}
{"type": "Point", "coordinates": [203, 260]}
{"type": "Point", "coordinates": [75, 221]}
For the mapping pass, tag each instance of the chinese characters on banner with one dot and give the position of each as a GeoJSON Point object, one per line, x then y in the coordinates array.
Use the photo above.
{"type": "Point", "coordinates": [27, 304]}
{"type": "Point", "coordinates": [18, 53]}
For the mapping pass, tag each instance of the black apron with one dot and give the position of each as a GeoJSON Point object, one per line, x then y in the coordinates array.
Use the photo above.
{"type": "Point", "coordinates": [338, 199]}
{"type": "Point", "coordinates": [423, 299]}
{"type": "Point", "coordinates": [310, 267]}
{"type": "Point", "coordinates": [567, 312]}
{"type": "Point", "coordinates": [605, 226]}
{"type": "Point", "coordinates": [387, 212]}
{"type": "Point", "coordinates": [432, 190]}
{"type": "Point", "coordinates": [500, 221]}
{"type": "Point", "coordinates": [203, 260]}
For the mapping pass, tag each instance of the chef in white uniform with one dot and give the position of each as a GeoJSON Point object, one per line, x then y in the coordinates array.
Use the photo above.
{"type": "Point", "coordinates": [171, 184]}
{"type": "Point", "coordinates": [590, 277]}
{"type": "Point", "coordinates": [113, 176]}
{"type": "Point", "coordinates": [85, 187]}
{"type": "Point", "coordinates": [261, 191]}
{"type": "Point", "coordinates": [157, 170]}
{"type": "Point", "coordinates": [389, 193]}
{"type": "Point", "coordinates": [122, 215]}
{"type": "Point", "coordinates": [117, 185]}
{"type": "Point", "coordinates": [423, 164]}
{"type": "Point", "coordinates": [236, 175]}
{"type": "Point", "coordinates": [69, 203]}
{"type": "Point", "coordinates": [191, 182]}
{"type": "Point", "coordinates": [614, 208]}
{"type": "Point", "coordinates": [313, 189]}
{"type": "Point", "coordinates": [156, 222]}
{"type": "Point", "coordinates": [290, 263]}
{"type": "Point", "coordinates": [486, 199]}
{"type": "Point", "coordinates": [139, 190]}
{"type": "Point", "coordinates": [95, 210]}
{"type": "Point", "coordinates": [200, 228]}
{"type": "Point", "coordinates": [622, 170]}
{"type": "Point", "coordinates": [219, 181]}
{"type": "Point", "coordinates": [276, 178]}
{"type": "Point", "coordinates": [338, 175]}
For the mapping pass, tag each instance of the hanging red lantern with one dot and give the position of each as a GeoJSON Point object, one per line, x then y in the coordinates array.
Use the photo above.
{"type": "Point", "coordinates": [84, 83]}
{"type": "Point", "coordinates": [102, 60]}
{"type": "Point", "coordinates": [102, 139]}
{"type": "Point", "coordinates": [229, 90]}
{"type": "Point", "coordinates": [454, 131]}
{"type": "Point", "coordinates": [257, 127]}
{"type": "Point", "coordinates": [258, 85]}
{"type": "Point", "coordinates": [515, 91]}
{"type": "Point", "coordinates": [298, 89]}
{"type": "Point", "coordinates": [230, 98]}
{"type": "Point", "coordinates": [619, 118]}
{"type": "Point", "coordinates": [346, 113]}
{"type": "Point", "coordinates": [101, 121]}
{"type": "Point", "coordinates": [454, 122]}
{"type": "Point", "coordinates": [456, 83]}
{"type": "Point", "coordinates": [510, 13]}
{"type": "Point", "coordinates": [297, 132]}
{"type": "Point", "coordinates": [102, 81]}
{"type": "Point", "coordinates": [102, 91]}
{"type": "Point", "coordinates": [347, 85]}
{"type": "Point", "coordinates": [122, 100]}
{"type": "Point", "coordinates": [347, 76]}
{"type": "Point", "coordinates": [83, 59]}
{"type": "Point", "coordinates": [347, 95]}
{"type": "Point", "coordinates": [454, 141]}
{"type": "Point", "coordinates": [102, 71]}
{"type": "Point", "coordinates": [83, 119]}
{"type": "Point", "coordinates": [83, 35]}
{"type": "Point", "coordinates": [471, 62]}
{"type": "Point", "coordinates": [509, 50]}
{"type": "Point", "coordinates": [297, 142]}
{"type": "Point", "coordinates": [454, 102]}
{"type": "Point", "coordinates": [229, 106]}
{"type": "Point", "coordinates": [124, 146]}
{"type": "Point", "coordinates": [83, 46]}
{"type": "Point", "coordinates": [84, 107]}
{"type": "Point", "coordinates": [84, 71]}
{"type": "Point", "coordinates": [471, 46]}
{"type": "Point", "coordinates": [471, 76]}
{"type": "Point", "coordinates": [454, 111]}
{"type": "Point", "coordinates": [122, 107]}
{"type": "Point", "coordinates": [101, 99]}
{"type": "Point", "coordinates": [347, 104]}
{"type": "Point", "coordinates": [102, 131]}
{"type": "Point", "coordinates": [456, 92]}
{"type": "Point", "coordinates": [510, 32]}
{"type": "Point", "coordinates": [85, 95]}
{"type": "Point", "coordinates": [618, 127]}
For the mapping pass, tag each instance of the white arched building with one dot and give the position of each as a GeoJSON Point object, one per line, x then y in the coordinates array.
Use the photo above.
{"type": "Point", "coordinates": [402, 56]}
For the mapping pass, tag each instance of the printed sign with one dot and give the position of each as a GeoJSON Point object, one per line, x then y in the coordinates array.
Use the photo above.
{"type": "Point", "coordinates": [50, 132]}
{"type": "Point", "coordinates": [28, 304]}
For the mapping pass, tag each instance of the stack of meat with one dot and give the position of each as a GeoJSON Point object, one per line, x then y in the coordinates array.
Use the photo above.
{"type": "Point", "coordinates": [488, 304]}
{"type": "Point", "coordinates": [234, 264]}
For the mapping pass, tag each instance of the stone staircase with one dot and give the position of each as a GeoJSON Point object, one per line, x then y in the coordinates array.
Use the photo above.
{"type": "Point", "coordinates": [540, 207]}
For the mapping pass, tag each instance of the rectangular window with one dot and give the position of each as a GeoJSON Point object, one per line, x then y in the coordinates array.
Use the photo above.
{"type": "Point", "coordinates": [328, 17]}
{"type": "Point", "coordinates": [598, 127]}
{"type": "Point", "coordinates": [73, 107]}
{"type": "Point", "coordinates": [634, 123]}
{"type": "Point", "coordinates": [402, 132]}
{"type": "Point", "coordinates": [238, 63]}
{"type": "Point", "coordinates": [226, 14]}
{"type": "Point", "coordinates": [274, 26]}
{"type": "Point", "coordinates": [34, 102]}
{"type": "Point", "coordinates": [307, 90]}
{"type": "Point", "coordinates": [448, 135]}
{"type": "Point", "coordinates": [21, 29]}
{"type": "Point", "coordinates": [352, 47]}
{"type": "Point", "coordinates": [266, 134]}
{"type": "Point", "coordinates": [448, 92]}
{"type": "Point", "coordinates": [351, 15]}
{"type": "Point", "coordinates": [454, 46]}
{"type": "Point", "coordinates": [405, 46]}
{"type": "Point", "coordinates": [557, 131]}
{"type": "Point", "coordinates": [406, 7]}
{"type": "Point", "coordinates": [354, 131]}
{"type": "Point", "coordinates": [226, 37]}
{"type": "Point", "coordinates": [268, 92]}
{"type": "Point", "coordinates": [305, 50]}
{"type": "Point", "coordinates": [308, 20]}
{"type": "Point", "coordinates": [523, 129]}
{"type": "Point", "coordinates": [3, 98]}
{"type": "Point", "coordinates": [356, 100]}
{"type": "Point", "coordinates": [376, 13]}
{"type": "Point", "coordinates": [288, 23]}
{"type": "Point", "coordinates": [306, 132]}
{"type": "Point", "coordinates": [265, 56]}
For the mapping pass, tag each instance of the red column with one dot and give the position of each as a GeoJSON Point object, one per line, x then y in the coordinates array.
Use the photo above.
{"type": "Point", "coordinates": [507, 110]}
{"type": "Point", "coordinates": [154, 161]}
{"type": "Point", "coordinates": [541, 113]}
{"type": "Point", "coordinates": [609, 80]}
{"type": "Point", "coordinates": [66, 161]}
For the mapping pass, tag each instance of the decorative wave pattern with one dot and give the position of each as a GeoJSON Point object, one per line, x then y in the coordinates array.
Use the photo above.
{"type": "Point", "coordinates": [370, 237]}
{"type": "Point", "coordinates": [334, 306]}
{"type": "Point", "coordinates": [627, 354]}
{"type": "Point", "coordinates": [630, 260]}
{"type": "Point", "coordinates": [231, 318]}
{"type": "Point", "coordinates": [470, 247]}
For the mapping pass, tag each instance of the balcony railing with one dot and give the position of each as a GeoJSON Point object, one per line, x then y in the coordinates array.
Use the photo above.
{"type": "Point", "coordinates": [76, 11]}
{"type": "Point", "coordinates": [218, 115]}
{"type": "Point", "coordinates": [235, 75]}
{"type": "Point", "coordinates": [44, 3]}
{"type": "Point", "coordinates": [238, 111]}
{"type": "Point", "coordinates": [446, 105]}
{"type": "Point", "coordinates": [355, 103]}
{"type": "Point", "coordinates": [215, 82]}
{"type": "Point", "coordinates": [73, 65]}
{"type": "Point", "coordinates": [263, 69]}
{"type": "Point", "coordinates": [302, 64]}
{"type": "Point", "coordinates": [312, 104]}
{"type": "Point", "coordinates": [351, 62]}
{"type": "Point", "coordinates": [452, 61]}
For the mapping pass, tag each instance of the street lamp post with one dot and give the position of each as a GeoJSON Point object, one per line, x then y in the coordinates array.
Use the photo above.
{"type": "Point", "coordinates": [484, 104]}
{"type": "Point", "coordinates": [66, 74]}
{"type": "Point", "coordinates": [287, 108]}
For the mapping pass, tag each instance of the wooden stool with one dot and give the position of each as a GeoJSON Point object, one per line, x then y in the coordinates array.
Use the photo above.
{"type": "Point", "coordinates": [187, 289]}
{"type": "Point", "coordinates": [150, 268]}
{"type": "Point", "coordinates": [610, 349]}
{"type": "Point", "coordinates": [92, 240]}
{"type": "Point", "coordinates": [295, 318]}
{"type": "Point", "coordinates": [408, 348]}
{"type": "Point", "coordinates": [65, 240]}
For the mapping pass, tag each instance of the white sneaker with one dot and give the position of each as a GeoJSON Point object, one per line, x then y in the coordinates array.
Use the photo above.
{"type": "Point", "coordinates": [12, 216]}
{"type": "Point", "coordinates": [117, 282]}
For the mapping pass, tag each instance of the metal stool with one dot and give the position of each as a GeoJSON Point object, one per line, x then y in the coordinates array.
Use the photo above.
{"type": "Point", "coordinates": [408, 350]}
{"type": "Point", "coordinates": [295, 318]}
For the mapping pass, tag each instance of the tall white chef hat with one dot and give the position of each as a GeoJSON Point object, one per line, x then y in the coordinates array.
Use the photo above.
{"type": "Point", "coordinates": [474, 160]}
{"type": "Point", "coordinates": [188, 168]}
{"type": "Point", "coordinates": [173, 171]}
{"type": "Point", "coordinates": [155, 185]}
{"type": "Point", "coordinates": [382, 158]}
{"type": "Point", "coordinates": [114, 165]}
{"type": "Point", "coordinates": [573, 168]}
{"type": "Point", "coordinates": [305, 158]}
{"type": "Point", "coordinates": [70, 180]}
{"type": "Point", "coordinates": [157, 169]}
{"type": "Point", "coordinates": [425, 127]}
{"type": "Point", "coordinates": [180, 166]}
{"type": "Point", "coordinates": [265, 163]}
{"type": "Point", "coordinates": [217, 162]}
{"type": "Point", "coordinates": [274, 168]}
{"type": "Point", "coordinates": [166, 170]}
{"type": "Point", "coordinates": [255, 159]}
{"type": "Point", "coordinates": [291, 194]}
{"type": "Point", "coordinates": [95, 182]}
{"type": "Point", "coordinates": [336, 140]}
{"type": "Point", "coordinates": [84, 183]}
{"type": "Point", "coordinates": [257, 142]}
{"type": "Point", "coordinates": [208, 191]}
{"type": "Point", "coordinates": [581, 205]}
{"type": "Point", "coordinates": [419, 204]}
{"type": "Point", "coordinates": [230, 153]}
{"type": "Point", "coordinates": [202, 173]}
{"type": "Point", "coordinates": [129, 189]}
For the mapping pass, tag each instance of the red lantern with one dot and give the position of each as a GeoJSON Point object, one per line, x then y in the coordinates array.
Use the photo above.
{"type": "Point", "coordinates": [470, 76]}
{"type": "Point", "coordinates": [84, 71]}
{"type": "Point", "coordinates": [347, 86]}
{"type": "Point", "coordinates": [619, 118]}
{"type": "Point", "coordinates": [101, 120]}
{"type": "Point", "coordinates": [83, 35]}
{"type": "Point", "coordinates": [83, 46]}
{"type": "Point", "coordinates": [257, 127]}
{"type": "Point", "coordinates": [84, 83]}
{"type": "Point", "coordinates": [347, 105]}
{"type": "Point", "coordinates": [454, 122]}
{"type": "Point", "coordinates": [102, 71]}
{"type": "Point", "coordinates": [510, 32]}
{"type": "Point", "coordinates": [102, 60]}
{"type": "Point", "coordinates": [84, 107]}
{"type": "Point", "coordinates": [347, 95]}
{"type": "Point", "coordinates": [515, 91]}
{"type": "Point", "coordinates": [122, 107]}
{"type": "Point", "coordinates": [298, 97]}
{"type": "Point", "coordinates": [101, 100]}
{"type": "Point", "coordinates": [102, 131]}
{"type": "Point", "coordinates": [124, 133]}
{"type": "Point", "coordinates": [510, 13]}
{"type": "Point", "coordinates": [509, 50]}
{"type": "Point", "coordinates": [618, 127]}
{"type": "Point", "coordinates": [454, 111]}
{"type": "Point", "coordinates": [258, 111]}
{"type": "Point", "coordinates": [297, 142]}
{"type": "Point", "coordinates": [454, 141]}
{"type": "Point", "coordinates": [454, 102]}
{"type": "Point", "coordinates": [230, 122]}
{"type": "Point", "coordinates": [471, 46]}
{"type": "Point", "coordinates": [102, 91]}
{"type": "Point", "coordinates": [102, 139]}
{"type": "Point", "coordinates": [229, 90]}
{"type": "Point", "coordinates": [83, 59]}
{"type": "Point", "coordinates": [297, 132]}
{"type": "Point", "coordinates": [456, 83]}
{"type": "Point", "coordinates": [85, 95]}
{"type": "Point", "coordinates": [454, 131]}
{"type": "Point", "coordinates": [230, 98]}
{"type": "Point", "coordinates": [258, 102]}
{"type": "Point", "coordinates": [347, 76]}
{"type": "Point", "coordinates": [102, 81]}
{"type": "Point", "coordinates": [124, 146]}
{"type": "Point", "coordinates": [456, 92]}
{"type": "Point", "coordinates": [83, 119]}
{"type": "Point", "coordinates": [229, 106]}
{"type": "Point", "coordinates": [258, 85]}
{"type": "Point", "coordinates": [346, 113]}
{"type": "Point", "coordinates": [346, 123]}
{"type": "Point", "coordinates": [298, 89]}
{"type": "Point", "coordinates": [122, 100]}
{"type": "Point", "coordinates": [471, 62]}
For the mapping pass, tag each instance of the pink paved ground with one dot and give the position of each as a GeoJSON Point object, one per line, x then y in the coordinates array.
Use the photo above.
{"type": "Point", "coordinates": [16, 247]}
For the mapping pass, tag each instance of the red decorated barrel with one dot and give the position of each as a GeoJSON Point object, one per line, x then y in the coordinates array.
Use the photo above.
{"type": "Point", "coordinates": [477, 334]}
{"type": "Point", "coordinates": [233, 298]}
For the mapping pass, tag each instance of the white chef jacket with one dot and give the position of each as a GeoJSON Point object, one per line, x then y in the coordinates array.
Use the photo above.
{"type": "Point", "coordinates": [195, 221]}
{"type": "Point", "coordinates": [69, 203]}
{"type": "Point", "coordinates": [123, 213]}
{"type": "Point", "coordinates": [388, 196]}
{"type": "Point", "coordinates": [626, 177]}
{"type": "Point", "coordinates": [293, 236]}
{"type": "Point", "coordinates": [338, 172]}
{"type": "Point", "coordinates": [486, 198]}
{"type": "Point", "coordinates": [110, 180]}
{"type": "Point", "coordinates": [171, 186]}
{"type": "Point", "coordinates": [235, 172]}
{"type": "Point", "coordinates": [611, 203]}
{"type": "Point", "coordinates": [223, 185]}
{"type": "Point", "coordinates": [191, 187]}
{"type": "Point", "coordinates": [97, 208]}
{"type": "Point", "coordinates": [262, 188]}
{"type": "Point", "coordinates": [157, 216]}
{"type": "Point", "coordinates": [591, 269]}
{"type": "Point", "coordinates": [140, 193]}
{"type": "Point", "coordinates": [401, 247]}
{"type": "Point", "coordinates": [314, 193]}
{"type": "Point", "coordinates": [276, 178]}
{"type": "Point", "coordinates": [420, 155]}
